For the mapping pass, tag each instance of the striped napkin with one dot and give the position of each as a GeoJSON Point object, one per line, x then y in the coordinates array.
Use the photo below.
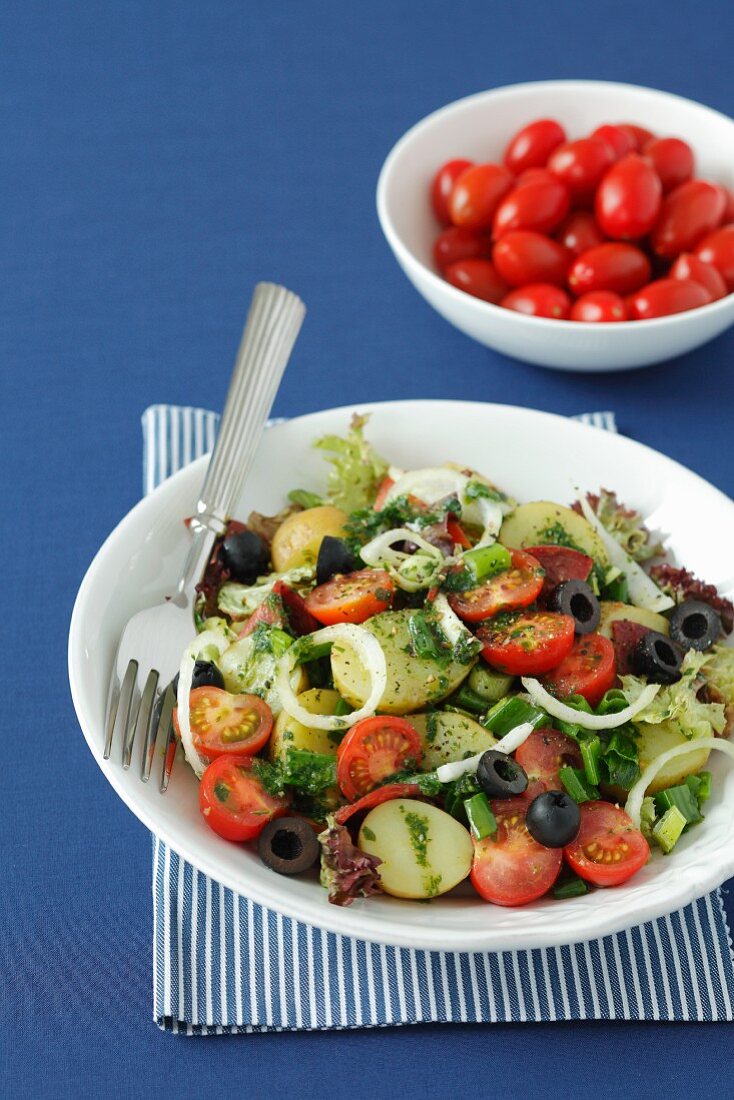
{"type": "Point", "coordinates": [223, 965]}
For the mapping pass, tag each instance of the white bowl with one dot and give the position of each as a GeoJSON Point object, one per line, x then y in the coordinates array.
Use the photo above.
{"type": "Point", "coordinates": [479, 127]}
{"type": "Point", "coordinates": [139, 563]}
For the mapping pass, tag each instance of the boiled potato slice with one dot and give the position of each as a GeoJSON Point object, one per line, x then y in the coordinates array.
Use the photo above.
{"type": "Point", "coordinates": [412, 682]}
{"type": "Point", "coordinates": [657, 739]}
{"type": "Point", "coordinates": [297, 540]}
{"type": "Point", "coordinates": [424, 851]}
{"type": "Point", "coordinates": [611, 610]}
{"type": "Point", "coordinates": [533, 524]}
{"type": "Point", "coordinates": [447, 736]}
{"type": "Point", "coordinates": [290, 734]}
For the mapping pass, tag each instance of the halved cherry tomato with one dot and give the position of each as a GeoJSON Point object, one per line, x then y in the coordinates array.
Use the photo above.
{"type": "Point", "coordinates": [479, 278]}
{"type": "Point", "coordinates": [539, 300]}
{"type": "Point", "coordinates": [666, 296]}
{"type": "Point", "coordinates": [233, 800]}
{"type": "Point", "coordinates": [717, 249]}
{"type": "Point", "coordinates": [687, 214]}
{"type": "Point", "coordinates": [539, 202]}
{"type": "Point", "coordinates": [531, 146]}
{"type": "Point", "coordinates": [542, 756]}
{"type": "Point", "coordinates": [581, 164]}
{"type": "Point", "coordinates": [561, 563]}
{"type": "Point", "coordinates": [373, 750]}
{"type": "Point", "coordinates": [443, 185]}
{"type": "Point", "coordinates": [619, 140]}
{"type": "Point", "coordinates": [384, 488]}
{"type": "Point", "coordinates": [638, 135]}
{"type": "Point", "coordinates": [351, 598]}
{"type": "Point", "coordinates": [613, 265]}
{"type": "Point", "coordinates": [271, 611]}
{"type": "Point", "coordinates": [457, 533]}
{"type": "Point", "coordinates": [526, 643]}
{"type": "Point", "coordinates": [509, 866]}
{"type": "Point", "coordinates": [376, 798]}
{"type": "Point", "coordinates": [599, 306]}
{"type": "Point", "coordinates": [628, 199]}
{"type": "Point", "coordinates": [672, 160]}
{"type": "Point", "coordinates": [299, 617]}
{"type": "Point", "coordinates": [226, 724]}
{"type": "Point", "coordinates": [588, 669]}
{"type": "Point", "coordinates": [477, 193]}
{"type": "Point", "coordinates": [608, 848]}
{"type": "Point", "coordinates": [690, 266]}
{"type": "Point", "coordinates": [515, 587]}
{"type": "Point", "coordinates": [579, 232]}
{"type": "Point", "coordinates": [458, 243]}
{"type": "Point", "coordinates": [524, 256]}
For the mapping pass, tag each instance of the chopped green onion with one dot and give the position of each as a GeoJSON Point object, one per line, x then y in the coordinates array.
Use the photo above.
{"type": "Point", "coordinates": [591, 755]}
{"type": "Point", "coordinates": [572, 888]}
{"type": "Point", "coordinates": [612, 702]}
{"type": "Point", "coordinates": [482, 821]}
{"type": "Point", "coordinates": [490, 685]}
{"type": "Point", "coordinates": [484, 561]}
{"type": "Point", "coordinates": [511, 712]}
{"type": "Point", "coordinates": [308, 651]}
{"type": "Point", "coordinates": [578, 702]}
{"type": "Point", "coordinates": [667, 831]}
{"type": "Point", "coordinates": [469, 700]}
{"type": "Point", "coordinates": [305, 499]}
{"type": "Point", "coordinates": [342, 707]}
{"type": "Point", "coordinates": [618, 589]}
{"type": "Point", "coordinates": [423, 638]}
{"type": "Point", "coordinates": [575, 782]}
{"type": "Point", "coordinates": [681, 797]}
{"type": "Point", "coordinates": [700, 786]}
{"type": "Point", "coordinates": [279, 641]}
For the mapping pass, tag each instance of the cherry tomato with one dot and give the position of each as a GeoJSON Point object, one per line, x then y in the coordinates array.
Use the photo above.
{"type": "Point", "coordinates": [351, 598]}
{"type": "Point", "coordinates": [457, 243]}
{"type": "Point", "coordinates": [613, 265]}
{"type": "Point", "coordinates": [509, 866]}
{"type": "Point", "coordinates": [581, 164]}
{"type": "Point", "coordinates": [561, 563]}
{"type": "Point", "coordinates": [619, 140]}
{"type": "Point", "coordinates": [638, 135]}
{"type": "Point", "coordinates": [666, 296]}
{"type": "Point", "coordinates": [542, 756]}
{"type": "Point", "coordinates": [443, 185]}
{"type": "Point", "coordinates": [233, 800]}
{"type": "Point", "coordinates": [477, 193]}
{"type": "Point", "coordinates": [221, 723]}
{"type": "Point", "coordinates": [672, 159]}
{"type": "Point", "coordinates": [299, 617]}
{"type": "Point", "coordinates": [540, 203]}
{"type": "Point", "coordinates": [383, 489]}
{"type": "Point", "coordinates": [531, 146]}
{"type": "Point", "coordinates": [374, 749]}
{"type": "Point", "coordinates": [603, 306]}
{"type": "Point", "coordinates": [628, 199]}
{"type": "Point", "coordinates": [534, 174]}
{"type": "Point", "coordinates": [579, 232]}
{"type": "Point", "coordinates": [729, 209]}
{"type": "Point", "coordinates": [690, 266]}
{"type": "Point", "coordinates": [717, 249]}
{"type": "Point", "coordinates": [515, 587]}
{"type": "Point", "coordinates": [608, 848]}
{"type": "Point", "coordinates": [588, 669]}
{"type": "Point", "coordinates": [523, 256]}
{"type": "Point", "coordinates": [526, 643]}
{"type": "Point", "coordinates": [539, 300]}
{"type": "Point", "coordinates": [687, 214]}
{"type": "Point", "coordinates": [479, 278]}
{"type": "Point", "coordinates": [271, 612]}
{"type": "Point", "coordinates": [457, 534]}
{"type": "Point", "coordinates": [376, 798]}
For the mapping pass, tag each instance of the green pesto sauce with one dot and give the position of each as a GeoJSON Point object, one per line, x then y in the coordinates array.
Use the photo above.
{"type": "Point", "coordinates": [419, 839]}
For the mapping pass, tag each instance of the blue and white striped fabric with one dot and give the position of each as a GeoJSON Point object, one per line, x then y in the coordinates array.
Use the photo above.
{"type": "Point", "coordinates": [223, 965]}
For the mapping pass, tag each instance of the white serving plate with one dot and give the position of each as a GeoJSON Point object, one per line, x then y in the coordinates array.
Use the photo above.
{"type": "Point", "coordinates": [534, 455]}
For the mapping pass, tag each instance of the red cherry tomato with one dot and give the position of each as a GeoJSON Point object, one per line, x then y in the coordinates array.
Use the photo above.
{"type": "Point", "coordinates": [477, 193]}
{"type": "Point", "coordinates": [613, 265]}
{"type": "Point", "coordinates": [531, 146]}
{"type": "Point", "coordinates": [599, 306]}
{"type": "Point", "coordinates": [540, 203]}
{"type": "Point", "coordinates": [581, 164]}
{"type": "Point", "coordinates": [690, 266]}
{"type": "Point", "coordinates": [637, 134]}
{"type": "Point", "coordinates": [443, 185]}
{"type": "Point", "coordinates": [374, 749]}
{"type": "Point", "coordinates": [717, 249]}
{"type": "Point", "coordinates": [729, 208]}
{"type": "Point", "coordinates": [510, 867]}
{"type": "Point", "coordinates": [579, 232]}
{"type": "Point", "coordinates": [479, 278]}
{"type": "Point", "coordinates": [516, 587]}
{"type": "Point", "coordinates": [543, 755]}
{"type": "Point", "coordinates": [608, 849]}
{"type": "Point", "coordinates": [539, 300]}
{"type": "Point", "coordinates": [628, 199]}
{"type": "Point", "coordinates": [672, 160]}
{"type": "Point", "coordinates": [687, 214]}
{"type": "Point", "coordinates": [351, 597]}
{"type": "Point", "coordinates": [534, 174]}
{"type": "Point", "coordinates": [589, 669]}
{"type": "Point", "coordinates": [457, 243]}
{"type": "Point", "coordinates": [666, 296]}
{"type": "Point", "coordinates": [526, 643]}
{"type": "Point", "coordinates": [620, 141]}
{"type": "Point", "coordinates": [523, 256]}
{"type": "Point", "coordinates": [221, 723]}
{"type": "Point", "coordinates": [561, 563]}
{"type": "Point", "coordinates": [271, 612]}
{"type": "Point", "coordinates": [234, 802]}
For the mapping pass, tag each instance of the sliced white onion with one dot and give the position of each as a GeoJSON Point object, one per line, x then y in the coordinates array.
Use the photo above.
{"type": "Point", "coordinates": [637, 794]}
{"type": "Point", "coordinates": [490, 518]}
{"type": "Point", "coordinates": [380, 550]}
{"type": "Point", "coordinates": [643, 591]}
{"type": "Point", "coordinates": [447, 773]}
{"type": "Point", "coordinates": [451, 625]}
{"type": "Point", "coordinates": [208, 639]}
{"type": "Point", "coordinates": [435, 483]}
{"type": "Point", "coordinates": [369, 652]}
{"type": "Point", "coordinates": [514, 738]}
{"type": "Point", "coordinates": [557, 709]}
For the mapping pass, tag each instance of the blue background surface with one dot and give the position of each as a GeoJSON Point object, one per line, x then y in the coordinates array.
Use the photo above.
{"type": "Point", "coordinates": [159, 159]}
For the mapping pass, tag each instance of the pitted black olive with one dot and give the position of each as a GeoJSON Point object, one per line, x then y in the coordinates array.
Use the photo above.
{"type": "Point", "coordinates": [206, 674]}
{"type": "Point", "coordinates": [553, 819]}
{"type": "Point", "coordinates": [658, 658]}
{"type": "Point", "coordinates": [288, 845]}
{"type": "Point", "coordinates": [245, 555]}
{"type": "Point", "coordinates": [500, 776]}
{"type": "Point", "coordinates": [334, 557]}
{"type": "Point", "coordinates": [576, 599]}
{"type": "Point", "coordinates": [695, 625]}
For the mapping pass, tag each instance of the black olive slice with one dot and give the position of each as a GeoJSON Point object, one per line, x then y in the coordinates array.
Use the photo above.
{"type": "Point", "coordinates": [500, 776]}
{"type": "Point", "coordinates": [658, 658]}
{"type": "Point", "coordinates": [695, 625]}
{"type": "Point", "coordinates": [288, 845]}
{"type": "Point", "coordinates": [206, 674]}
{"type": "Point", "coordinates": [576, 599]}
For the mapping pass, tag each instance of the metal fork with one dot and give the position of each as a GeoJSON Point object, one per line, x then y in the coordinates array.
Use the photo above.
{"type": "Point", "coordinates": [153, 641]}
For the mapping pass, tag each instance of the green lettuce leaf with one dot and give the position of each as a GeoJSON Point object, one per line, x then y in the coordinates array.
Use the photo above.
{"type": "Point", "coordinates": [357, 469]}
{"type": "Point", "coordinates": [677, 704]}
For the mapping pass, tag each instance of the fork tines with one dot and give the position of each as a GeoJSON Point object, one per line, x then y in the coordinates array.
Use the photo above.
{"type": "Point", "coordinates": [148, 714]}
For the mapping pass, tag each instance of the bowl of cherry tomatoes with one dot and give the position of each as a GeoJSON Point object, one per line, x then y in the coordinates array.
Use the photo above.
{"type": "Point", "coordinates": [580, 225]}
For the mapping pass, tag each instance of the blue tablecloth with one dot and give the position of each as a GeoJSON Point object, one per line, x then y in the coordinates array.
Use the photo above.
{"type": "Point", "coordinates": [158, 160]}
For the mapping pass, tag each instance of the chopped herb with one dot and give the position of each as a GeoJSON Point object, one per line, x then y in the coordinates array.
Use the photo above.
{"type": "Point", "coordinates": [477, 489]}
{"type": "Point", "coordinates": [419, 838]}
{"type": "Point", "coordinates": [221, 791]}
{"type": "Point", "coordinates": [305, 499]}
{"type": "Point", "coordinates": [309, 772]}
{"type": "Point", "coordinates": [367, 833]}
